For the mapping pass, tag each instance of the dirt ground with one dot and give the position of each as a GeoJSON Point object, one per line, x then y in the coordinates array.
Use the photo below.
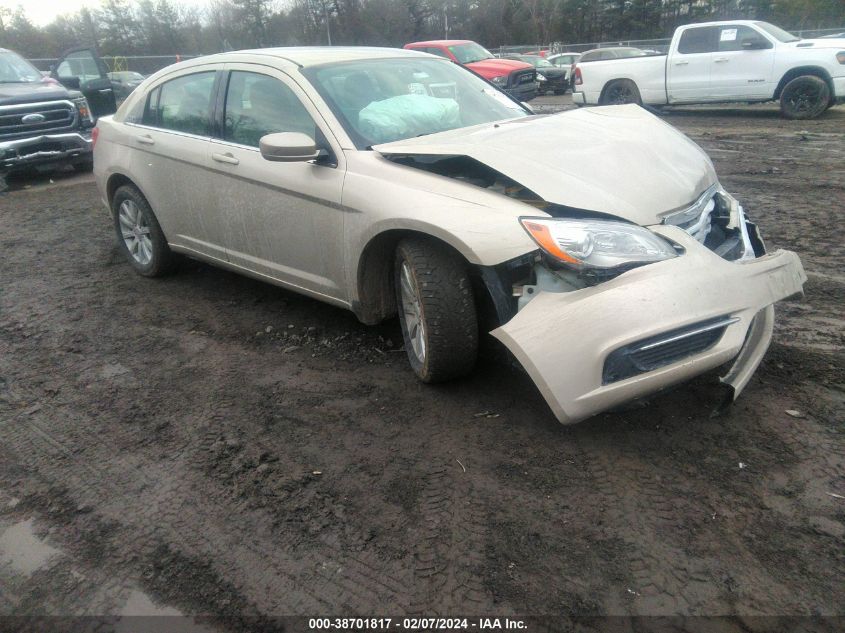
{"type": "Point", "coordinates": [208, 444]}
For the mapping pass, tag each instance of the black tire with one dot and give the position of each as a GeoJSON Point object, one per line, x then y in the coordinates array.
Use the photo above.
{"type": "Point", "coordinates": [162, 261]}
{"type": "Point", "coordinates": [446, 307]}
{"type": "Point", "coordinates": [805, 97]}
{"type": "Point", "coordinates": [620, 91]}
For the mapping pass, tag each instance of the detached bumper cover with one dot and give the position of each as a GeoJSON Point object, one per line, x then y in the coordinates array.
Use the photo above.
{"type": "Point", "coordinates": [564, 339]}
{"type": "Point", "coordinates": [45, 148]}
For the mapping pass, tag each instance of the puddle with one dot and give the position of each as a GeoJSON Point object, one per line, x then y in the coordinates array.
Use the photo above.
{"type": "Point", "coordinates": [23, 550]}
{"type": "Point", "coordinates": [141, 615]}
{"type": "Point", "coordinates": [139, 603]}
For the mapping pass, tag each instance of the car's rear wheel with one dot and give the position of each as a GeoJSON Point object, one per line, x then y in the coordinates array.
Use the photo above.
{"type": "Point", "coordinates": [436, 310]}
{"type": "Point", "coordinates": [804, 97]}
{"type": "Point", "coordinates": [619, 92]}
{"type": "Point", "coordinates": [139, 235]}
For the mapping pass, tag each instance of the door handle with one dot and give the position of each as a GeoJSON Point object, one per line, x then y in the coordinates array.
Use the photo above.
{"type": "Point", "coordinates": [145, 140]}
{"type": "Point", "coordinates": [719, 60]}
{"type": "Point", "coordinates": [225, 158]}
{"type": "Point", "coordinates": [681, 63]}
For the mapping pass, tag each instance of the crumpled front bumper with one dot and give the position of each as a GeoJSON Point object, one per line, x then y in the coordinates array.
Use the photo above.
{"type": "Point", "coordinates": [563, 339]}
{"type": "Point", "coordinates": [44, 148]}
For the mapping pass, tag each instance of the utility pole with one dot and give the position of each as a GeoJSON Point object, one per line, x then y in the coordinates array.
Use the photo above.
{"type": "Point", "coordinates": [328, 24]}
{"type": "Point", "coordinates": [446, 20]}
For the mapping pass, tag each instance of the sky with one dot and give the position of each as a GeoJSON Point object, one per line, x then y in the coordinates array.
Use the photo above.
{"type": "Point", "coordinates": [42, 12]}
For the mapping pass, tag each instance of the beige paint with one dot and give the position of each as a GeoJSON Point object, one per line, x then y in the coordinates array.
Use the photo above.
{"type": "Point", "coordinates": [562, 339]}
{"type": "Point", "coordinates": [618, 160]}
{"type": "Point", "coordinates": [304, 226]}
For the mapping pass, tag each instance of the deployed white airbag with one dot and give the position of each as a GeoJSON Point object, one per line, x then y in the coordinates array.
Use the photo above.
{"type": "Point", "coordinates": [407, 116]}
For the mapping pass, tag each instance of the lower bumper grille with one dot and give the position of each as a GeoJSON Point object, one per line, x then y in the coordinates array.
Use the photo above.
{"type": "Point", "coordinates": [658, 351]}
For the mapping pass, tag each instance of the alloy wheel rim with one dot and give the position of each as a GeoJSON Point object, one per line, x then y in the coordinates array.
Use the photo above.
{"type": "Point", "coordinates": [412, 309]}
{"type": "Point", "coordinates": [804, 99]}
{"type": "Point", "coordinates": [135, 231]}
{"type": "Point", "coordinates": [620, 96]}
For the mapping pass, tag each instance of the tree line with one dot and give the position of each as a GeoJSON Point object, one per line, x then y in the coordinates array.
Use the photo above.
{"type": "Point", "coordinates": [160, 27]}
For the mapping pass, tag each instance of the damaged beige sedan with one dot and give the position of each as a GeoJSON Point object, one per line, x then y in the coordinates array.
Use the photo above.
{"type": "Point", "coordinates": [597, 245]}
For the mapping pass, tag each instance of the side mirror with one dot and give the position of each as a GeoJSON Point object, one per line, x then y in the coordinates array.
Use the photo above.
{"type": "Point", "coordinates": [288, 147]}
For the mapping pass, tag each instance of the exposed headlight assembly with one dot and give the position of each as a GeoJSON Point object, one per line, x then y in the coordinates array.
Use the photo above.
{"type": "Point", "coordinates": [84, 110]}
{"type": "Point", "coordinates": [597, 245]}
{"type": "Point", "coordinates": [500, 81]}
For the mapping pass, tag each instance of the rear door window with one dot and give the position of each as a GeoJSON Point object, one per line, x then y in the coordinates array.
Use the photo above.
{"type": "Point", "coordinates": [183, 104]}
{"type": "Point", "coordinates": [699, 40]}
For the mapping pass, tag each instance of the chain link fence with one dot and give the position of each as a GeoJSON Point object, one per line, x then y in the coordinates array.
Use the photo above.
{"type": "Point", "coordinates": [147, 64]}
{"type": "Point", "coordinates": [144, 64]}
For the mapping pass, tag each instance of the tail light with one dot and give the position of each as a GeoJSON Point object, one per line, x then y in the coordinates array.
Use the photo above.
{"type": "Point", "coordinates": [577, 75]}
{"type": "Point", "coordinates": [94, 134]}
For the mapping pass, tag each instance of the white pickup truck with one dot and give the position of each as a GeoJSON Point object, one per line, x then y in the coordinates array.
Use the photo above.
{"type": "Point", "coordinates": [714, 62]}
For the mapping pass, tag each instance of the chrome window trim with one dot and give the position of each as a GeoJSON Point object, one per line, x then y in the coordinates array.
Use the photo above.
{"type": "Point", "coordinates": [143, 126]}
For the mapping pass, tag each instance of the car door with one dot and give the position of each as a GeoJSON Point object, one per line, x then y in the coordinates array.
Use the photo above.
{"type": "Point", "coordinates": [170, 158]}
{"type": "Point", "coordinates": [688, 72]}
{"type": "Point", "coordinates": [82, 69]}
{"type": "Point", "coordinates": [742, 65]}
{"type": "Point", "coordinates": [284, 219]}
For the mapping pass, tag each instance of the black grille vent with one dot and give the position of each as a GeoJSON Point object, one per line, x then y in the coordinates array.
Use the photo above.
{"type": "Point", "coordinates": [36, 118]}
{"type": "Point", "coordinates": [658, 351]}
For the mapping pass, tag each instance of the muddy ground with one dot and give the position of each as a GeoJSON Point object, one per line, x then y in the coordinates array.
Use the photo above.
{"type": "Point", "coordinates": [208, 444]}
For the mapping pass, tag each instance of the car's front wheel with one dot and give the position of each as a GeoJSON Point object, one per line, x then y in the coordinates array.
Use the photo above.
{"type": "Point", "coordinates": [804, 97]}
{"type": "Point", "coordinates": [139, 235]}
{"type": "Point", "coordinates": [436, 310]}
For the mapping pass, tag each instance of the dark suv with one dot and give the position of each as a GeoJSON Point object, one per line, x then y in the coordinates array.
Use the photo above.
{"type": "Point", "coordinates": [47, 121]}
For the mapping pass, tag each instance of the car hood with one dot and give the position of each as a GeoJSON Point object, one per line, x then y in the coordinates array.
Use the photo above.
{"type": "Point", "coordinates": [498, 66]}
{"type": "Point", "coordinates": [12, 94]}
{"type": "Point", "coordinates": [823, 42]}
{"type": "Point", "coordinates": [618, 160]}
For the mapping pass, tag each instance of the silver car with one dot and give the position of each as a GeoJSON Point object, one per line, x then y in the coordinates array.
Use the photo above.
{"type": "Point", "coordinates": [597, 245]}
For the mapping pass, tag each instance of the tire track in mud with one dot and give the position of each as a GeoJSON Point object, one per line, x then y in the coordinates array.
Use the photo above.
{"type": "Point", "coordinates": [640, 503]}
{"type": "Point", "coordinates": [451, 539]}
{"type": "Point", "coordinates": [172, 516]}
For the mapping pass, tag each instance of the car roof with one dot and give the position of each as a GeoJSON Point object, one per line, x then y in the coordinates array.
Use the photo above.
{"type": "Point", "coordinates": [440, 43]}
{"type": "Point", "coordinates": [722, 23]}
{"type": "Point", "coordinates": [303, 56]}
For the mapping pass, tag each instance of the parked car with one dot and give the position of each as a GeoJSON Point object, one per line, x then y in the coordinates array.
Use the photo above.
{"type": "Point", "coordinates": [566, 61]}
{"type": "Point", "coordinates": [555, 78]}
{"type": "Point", "coordinates": [124, 82]}
{"type": "Point", "coordinates": [719, 62]}
{"type": "Point", "coordinates": [47, 121]}
{"type": "Point", "coordinates": [518, 79]}
{"type": "Point", "coordinates": [611, 52]}
{"type": "Point", "coordinates": [345, 174]}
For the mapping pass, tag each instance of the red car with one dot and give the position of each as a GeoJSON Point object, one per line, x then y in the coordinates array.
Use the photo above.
{"type": "Point", "coordinates": [516, 78]}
